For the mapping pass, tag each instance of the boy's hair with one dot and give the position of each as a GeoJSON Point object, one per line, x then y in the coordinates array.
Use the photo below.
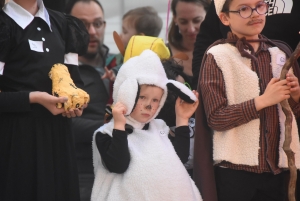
{"type": "Point", "coordinates": [226, 5]}
{"type": "Point", "coordinates": [71, 3]}
{"type": "Point", "coordinates": [145, 20]}
{"type": "Point", "coordinates": [174, 36]}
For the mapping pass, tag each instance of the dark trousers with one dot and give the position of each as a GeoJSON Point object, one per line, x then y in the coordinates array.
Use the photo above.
{"type": "Point", "coordinates": [237, 185]}
{"type": "Point", "coordinates": [86, 182]}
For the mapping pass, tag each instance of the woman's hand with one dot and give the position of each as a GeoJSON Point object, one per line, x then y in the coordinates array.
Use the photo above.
{"type": "Point", "coordinates": [77, 112]}
{"type": "Point", "coordinates": [48, 101]}
{"type": "Point", "coordinates": [185, 110]}
{"type": "Point", "coordinates": [118, 111]}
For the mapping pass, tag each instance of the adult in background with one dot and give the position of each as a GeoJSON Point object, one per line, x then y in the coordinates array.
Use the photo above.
{"type": "Point", "coordinates": [91, 68]}
{"type": "Point", "coordinates": [188, 15]}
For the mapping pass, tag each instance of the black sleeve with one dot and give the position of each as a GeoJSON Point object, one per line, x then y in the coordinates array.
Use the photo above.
{"type": "Point", "coordinates": [211, 30]}
{"type": "Point", "coordinates": [14, 102]}
{"type": "Point", "coordinates": [114, 150]}
{"type": "Point", "coordinates": [181, 142]}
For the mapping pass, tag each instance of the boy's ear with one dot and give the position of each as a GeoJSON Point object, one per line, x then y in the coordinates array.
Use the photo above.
{"type": "Point", "coordinates": [119, 43]}
{"type": "Point", "coordinates": [224, 18]}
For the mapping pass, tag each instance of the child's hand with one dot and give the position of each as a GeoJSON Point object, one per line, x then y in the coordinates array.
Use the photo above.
{"type": "Point", "coordinates": [185, 110]}
{"type": "Point", "coordinates": [293, 82]}
{"type": "Point", "coordinates": [118, 112]}
{"type": "Point", "coordinates": [276, 91]}
{"type": "Point", "coordinates": [109, 74]}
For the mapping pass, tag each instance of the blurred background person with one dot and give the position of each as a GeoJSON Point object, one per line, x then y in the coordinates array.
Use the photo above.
{"type": "Point", "coordinates": [188, 15]}
{"type": "Point", "coordinates": [91, 69]}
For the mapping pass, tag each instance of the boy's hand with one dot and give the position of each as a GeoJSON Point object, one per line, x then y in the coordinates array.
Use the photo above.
{"type": "Point", "coordinates": [276, 91]}
{"type": "Point", "coordinates": [109, 74]}
{"type": "Point", "coordinates": [185, 110]}
{"type": "Point", "coordinates": [118, 112]}
{"type": "Point", "coordinates": [293, 82]}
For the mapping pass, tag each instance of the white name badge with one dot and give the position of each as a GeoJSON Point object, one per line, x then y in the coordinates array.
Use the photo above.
{"type": "Point", "coordinates": [36, 45]}
{"type": "Point", "coordinates": [280, 59]}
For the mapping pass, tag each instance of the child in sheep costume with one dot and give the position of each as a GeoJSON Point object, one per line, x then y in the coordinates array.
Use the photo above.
{"type": "Point", "coordinates": [138, 161]}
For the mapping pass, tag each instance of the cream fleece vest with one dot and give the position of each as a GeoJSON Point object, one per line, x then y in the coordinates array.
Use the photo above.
{"type": "Point", "coordinates": [240, 145]}
{"type": "Point", "coordinates": [155, 171]}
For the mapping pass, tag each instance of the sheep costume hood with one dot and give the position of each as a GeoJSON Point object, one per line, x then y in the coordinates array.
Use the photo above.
{"type": "Point", "coordinates": [146, 69]}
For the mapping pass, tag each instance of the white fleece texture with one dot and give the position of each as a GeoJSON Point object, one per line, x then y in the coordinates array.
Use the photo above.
{"type": "Point", "coordinates": [219, 6]}
{"type": "Point", "coordinates": [155, 171]}
{"type": "Point", "coordinates": [240, 145]}
{"type": "Point", "coordinates": [143, 69]}
{"type": "Point", "coordinates": [283, 161]}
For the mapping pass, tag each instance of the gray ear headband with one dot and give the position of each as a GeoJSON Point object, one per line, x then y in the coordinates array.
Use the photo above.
{"type": "Point", "coordinates": [146, 69]}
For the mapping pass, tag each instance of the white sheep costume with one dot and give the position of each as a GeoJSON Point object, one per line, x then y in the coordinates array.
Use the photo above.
{"type": "Point", "coordinates": [155, 171]}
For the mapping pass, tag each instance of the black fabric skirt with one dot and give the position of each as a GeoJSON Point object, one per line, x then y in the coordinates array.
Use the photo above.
{"type": "Point", "coordinates": [37, 158]}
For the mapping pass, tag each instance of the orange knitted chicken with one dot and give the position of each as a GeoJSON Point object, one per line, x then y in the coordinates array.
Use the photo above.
{"type": "Point", "coordinates": [63, 86]}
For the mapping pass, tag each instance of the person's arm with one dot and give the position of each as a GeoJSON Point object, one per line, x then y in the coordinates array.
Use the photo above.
{"type": "Point", "coordinates": [114, 150]}
{"type": "Point", "coordinates": [211, 30]}
{"type": "Point", "coordinates": [181, 142]}
{"type": "Point", "coordinates": [14, 102]}
{"type": "Point", "coordinates": [220, 115]}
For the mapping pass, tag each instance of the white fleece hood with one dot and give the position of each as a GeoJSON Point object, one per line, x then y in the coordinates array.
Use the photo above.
{"type": "Point", "coordinates": [145, 69]}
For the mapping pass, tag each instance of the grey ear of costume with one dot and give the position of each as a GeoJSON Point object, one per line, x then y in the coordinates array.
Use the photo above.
{"type": "Point", "coordinates": [182, 91]}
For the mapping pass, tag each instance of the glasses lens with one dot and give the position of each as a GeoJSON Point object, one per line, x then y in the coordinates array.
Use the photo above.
{"type": "Point", "coordinates": [245, 11]}
{"type": "Point", "coordinates": [262, 8]}
{"type": "Point", "coordinates": [98, 24]}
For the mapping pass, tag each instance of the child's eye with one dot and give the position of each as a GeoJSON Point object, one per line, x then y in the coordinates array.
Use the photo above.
{"type": "Point", "coordinates": [155, 100]}
{"type": "Point", "coordinates": [142, 97]}
{"type": "Point", "coordinates": [244, 8]}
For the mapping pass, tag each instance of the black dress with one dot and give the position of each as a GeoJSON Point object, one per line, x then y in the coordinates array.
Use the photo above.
{"type": "Point", "coordinates": [37, 158]}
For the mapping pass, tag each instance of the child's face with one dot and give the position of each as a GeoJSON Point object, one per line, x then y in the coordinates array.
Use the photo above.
{"type": "Point", "coordinates": [245, 27]}
{"type": "Point", "coordinates": [147, 104]}
{"type": "Point", "coordinates": [128, 30]}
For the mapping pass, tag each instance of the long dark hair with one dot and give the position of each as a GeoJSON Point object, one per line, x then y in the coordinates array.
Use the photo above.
{"type": "Point", "coordinates": [174, 37]}
{"type": "Point", "coordinates": [2, 2]}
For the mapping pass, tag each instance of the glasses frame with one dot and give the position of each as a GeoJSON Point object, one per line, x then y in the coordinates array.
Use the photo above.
{"type": "Point", "coordinates": [88, 24]}
{"type": "Point", "coordinates": [252, 9]}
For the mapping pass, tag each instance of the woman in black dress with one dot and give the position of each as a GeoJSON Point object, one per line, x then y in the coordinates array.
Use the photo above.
{"type": "Point", "coordinates": [37, 159]}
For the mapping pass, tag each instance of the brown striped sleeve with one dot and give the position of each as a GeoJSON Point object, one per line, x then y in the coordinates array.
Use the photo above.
{"type": "Point", "coordinates": [220, 115]}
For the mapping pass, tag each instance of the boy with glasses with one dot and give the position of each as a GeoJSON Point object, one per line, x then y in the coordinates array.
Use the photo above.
{"type": "Point", "coordinates": [241, 95]}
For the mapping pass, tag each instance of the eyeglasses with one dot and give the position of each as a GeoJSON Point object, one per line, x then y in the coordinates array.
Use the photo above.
{"type": "Point", "coordinates": [98, 24]}
{"type": "Point", "coordinates": [246, 11]}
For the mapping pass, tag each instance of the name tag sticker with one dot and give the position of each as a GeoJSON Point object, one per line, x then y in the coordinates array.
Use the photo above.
{"type": "Point", "coordinates": [36, 45]}
{"type": "Point", "coordinates": [280, 59]}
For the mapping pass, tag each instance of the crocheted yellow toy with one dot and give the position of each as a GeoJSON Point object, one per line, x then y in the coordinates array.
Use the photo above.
{"type": "Point", "coordinates": [63, 86]}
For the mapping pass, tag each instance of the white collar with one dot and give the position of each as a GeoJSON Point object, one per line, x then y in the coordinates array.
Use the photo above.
{"type": "Point", "coordinates": [22, 17]}
{"type": "Point", "coordinates": [134, 123]}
